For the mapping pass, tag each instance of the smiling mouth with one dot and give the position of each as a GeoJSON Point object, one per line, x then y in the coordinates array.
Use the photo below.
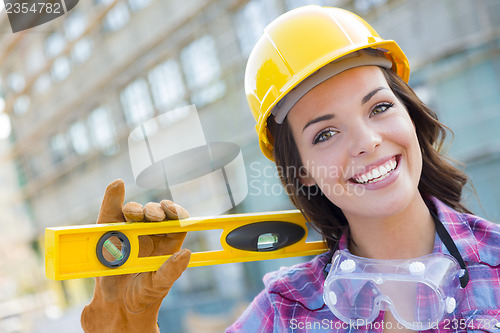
{"type": "Point", "coordinates": [378, 173]}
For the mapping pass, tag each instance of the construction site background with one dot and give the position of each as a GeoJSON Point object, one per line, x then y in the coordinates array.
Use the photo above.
{"type": "Point", "coordinates": [72, 90]}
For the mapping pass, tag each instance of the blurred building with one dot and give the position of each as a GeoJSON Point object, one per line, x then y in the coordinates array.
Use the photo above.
{"type": "Point", "coordinates": [74, 88]}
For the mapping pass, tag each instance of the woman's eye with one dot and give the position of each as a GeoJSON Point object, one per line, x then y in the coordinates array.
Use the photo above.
{"type": "Point", "coordinates": [324, 135]}
{"type": "Point", "coordinates": [381, 108]}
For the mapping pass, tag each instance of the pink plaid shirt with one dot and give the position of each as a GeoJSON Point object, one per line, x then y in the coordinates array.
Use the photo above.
{"type": "Point", "coordinates": [292, 300]}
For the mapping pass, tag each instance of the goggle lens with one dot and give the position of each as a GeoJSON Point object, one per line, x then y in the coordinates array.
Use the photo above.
{"type": "Point", "coordinates": [421, 313]}
{"type": "Point", "coordinates": [359, 301]}
{"type": "Point", "coordinates": [353, 300]}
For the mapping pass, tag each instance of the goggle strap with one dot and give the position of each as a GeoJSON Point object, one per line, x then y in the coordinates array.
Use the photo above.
{"type": "Point", "coordinates": [326, 268]}
{"type": "Point", "coordinates": [452, 248]}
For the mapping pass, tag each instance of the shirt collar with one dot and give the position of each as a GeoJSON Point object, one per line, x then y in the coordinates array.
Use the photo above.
{"type": "Point", "coordinates": [459, 229]}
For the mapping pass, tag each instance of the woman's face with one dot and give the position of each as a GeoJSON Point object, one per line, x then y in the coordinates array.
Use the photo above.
{"type": "Point", "coordinates": [358, 144]}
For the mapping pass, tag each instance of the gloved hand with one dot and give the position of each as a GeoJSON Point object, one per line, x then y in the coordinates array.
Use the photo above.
{"type": "Point", "coordinates": [130, 303]}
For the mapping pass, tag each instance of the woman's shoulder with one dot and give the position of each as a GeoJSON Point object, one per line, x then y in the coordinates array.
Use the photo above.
{"type": "Point", "coordinates": [464, 225]}
{"type": "Point", "coordinates": [484, 229]}
{"type": "Point", "coordinates": [487, 238]}
{"type": "Point", "coordinates": [477, 238]}
{"type": "Point", "coordinates": [481, 301]}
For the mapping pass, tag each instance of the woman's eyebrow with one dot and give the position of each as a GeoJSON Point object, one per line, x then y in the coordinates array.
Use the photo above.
{"type": "Point", "coordinates": [370, 94]}
{"type": "Point", "coordinates": [315, 120]}
{"type": "Point", "coordinates": [330, 116]}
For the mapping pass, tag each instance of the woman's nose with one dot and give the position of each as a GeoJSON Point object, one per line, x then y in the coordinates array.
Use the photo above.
{"type": "Point", "coordinates": [363, 139]}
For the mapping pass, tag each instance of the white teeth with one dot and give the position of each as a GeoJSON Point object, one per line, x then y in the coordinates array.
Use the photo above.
{"type": "Point", "coordinates": [378, 173]}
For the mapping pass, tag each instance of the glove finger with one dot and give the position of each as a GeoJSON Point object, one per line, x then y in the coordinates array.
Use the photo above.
{"type": "Point", "coordinates": [133, 212]}
{"type": "Point", "coordinates": [159, 245]}
{"type": "Point", "coordinates": [112, 203]}
{"type": "Point", "coordinates": [153, 212]}
{"type": "Point", "coordinates": [174, 211]}
{"type": "Point", "coordinates": [171, 270]}
{"type": "Point", "coordinates": [148, 288]}
{"type": "Point", "coordinates": [162, 244]}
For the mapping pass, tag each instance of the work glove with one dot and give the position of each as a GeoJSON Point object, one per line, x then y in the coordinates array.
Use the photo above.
{"type": "Point", "coordinates": [130, 303]}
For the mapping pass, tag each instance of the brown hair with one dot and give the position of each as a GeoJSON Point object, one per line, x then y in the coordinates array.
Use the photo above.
{"type": "Point", "coordinates": [439, 178]}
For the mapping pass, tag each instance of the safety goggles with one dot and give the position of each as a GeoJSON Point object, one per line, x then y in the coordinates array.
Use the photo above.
{"type": "Point", "coordinates": [418, 292]}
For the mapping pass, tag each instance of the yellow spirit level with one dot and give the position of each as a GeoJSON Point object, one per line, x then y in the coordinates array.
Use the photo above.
{"type": "Point", "coordinates": [113, 249]}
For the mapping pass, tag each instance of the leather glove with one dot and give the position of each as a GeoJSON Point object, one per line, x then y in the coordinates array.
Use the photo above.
{"type": "Point", "coordinates": [130, 303]}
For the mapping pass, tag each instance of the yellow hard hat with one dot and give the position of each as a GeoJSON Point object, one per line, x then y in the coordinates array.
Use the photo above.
{"type": "Point", "coordinates": [301, 42]}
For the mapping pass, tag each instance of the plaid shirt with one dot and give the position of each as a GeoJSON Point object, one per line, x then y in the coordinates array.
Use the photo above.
{"type": "Point", "coordinates": [292, 300]}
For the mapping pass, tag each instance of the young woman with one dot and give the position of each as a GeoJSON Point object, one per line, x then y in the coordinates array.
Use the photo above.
{"type": "Point", "coordinates": [332, 103]}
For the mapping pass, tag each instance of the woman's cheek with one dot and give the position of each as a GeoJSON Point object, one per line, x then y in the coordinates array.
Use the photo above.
{"type": "Point", "coordinates": [402, 131]}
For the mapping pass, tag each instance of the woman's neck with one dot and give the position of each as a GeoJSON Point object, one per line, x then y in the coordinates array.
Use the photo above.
{"type": "Point", "coordinates": [408, 234]}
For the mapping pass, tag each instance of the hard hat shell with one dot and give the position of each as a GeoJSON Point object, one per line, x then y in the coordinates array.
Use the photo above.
{"type": "Point", "coordinates": [296, 45]}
